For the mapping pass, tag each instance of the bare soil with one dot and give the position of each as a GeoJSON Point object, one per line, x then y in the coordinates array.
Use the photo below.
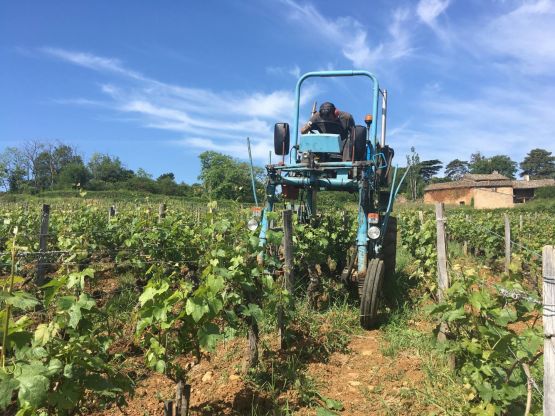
{"type": "Point", "coordinates": [363, 379]}
{"type": "Point", "coordinates": [367, 382]}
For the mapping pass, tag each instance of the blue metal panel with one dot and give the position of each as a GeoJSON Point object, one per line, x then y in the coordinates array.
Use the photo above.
{"type": "Point", "coordinates": [320, 143]}
{"type": "Point", "coordinates": [340, 183]}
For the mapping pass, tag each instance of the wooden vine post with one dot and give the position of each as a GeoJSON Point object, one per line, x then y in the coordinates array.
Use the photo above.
{"type": "Point", "coordinates": [111, 212]}
{"type": "Point", "coordinates": [288, 249]}
{"type": "Point", "coordinates": [161, 212]}
{"type": "Point", "coordinates": [465, 243]}
{"type": "Point", "coordinates": [168, 408]}
{"type": "Point", "coordinates": [442, 274]}
{"type": "Point", "coordinates": [288, 279]}
{"type": "Point", "coordinates": [507, 243]}
{"type": "Point", "coordinates": [182, 399]}
{"type": "Point", "coordinates": [548, 268]}
{"type": "Point", "coordinates": [43, 241]}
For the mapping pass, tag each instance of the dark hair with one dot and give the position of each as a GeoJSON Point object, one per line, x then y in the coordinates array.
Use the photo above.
{"type": "Point", "coordinates": [327, 110]}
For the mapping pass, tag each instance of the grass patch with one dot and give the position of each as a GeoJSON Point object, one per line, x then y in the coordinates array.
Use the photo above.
{"type": "Point", "coordinates": [441, 390]}
{"type": "Point", "coordinates": [312, 337]}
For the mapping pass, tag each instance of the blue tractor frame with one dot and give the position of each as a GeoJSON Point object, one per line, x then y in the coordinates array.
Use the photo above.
{"type": "Point", "coordinates": [309, 171]}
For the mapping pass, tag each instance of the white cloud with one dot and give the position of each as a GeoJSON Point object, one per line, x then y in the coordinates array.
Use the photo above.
{"type": "Point", "coordinates": [351, 36]}
{"type": "Point", "coordinates": [294, 71]}
{"type": "Point", "coordinates": [429, 10]}
{"type": "Point", "coordinates": [495, 121]}
{"type": "Point", "coordinates": [90, 61]}
{"type": "Point", "coordinates": [260, 149]}
{"type": "Point", "coordinates": [218, 121]}
{"type": "Point", "coordinates": [523, 36]}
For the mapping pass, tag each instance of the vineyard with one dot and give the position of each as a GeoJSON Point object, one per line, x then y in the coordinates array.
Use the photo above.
{"type": "Point", "coordinates": [105, 298]}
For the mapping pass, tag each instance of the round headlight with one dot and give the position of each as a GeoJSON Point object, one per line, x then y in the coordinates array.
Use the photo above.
{"type": "Point", "coordinates": [373, 232]}
{"type": "Point", "coordinates": [252, 224]}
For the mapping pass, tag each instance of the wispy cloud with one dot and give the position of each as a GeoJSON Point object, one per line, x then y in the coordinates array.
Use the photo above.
{"type": "Point", "coordinates": [351, 36]}
{"type": "Point", "coordinates": [495, 121]}
{"type": "Point", "coordinates": [205, 119]}
{"type": "Point", "coordinates": [294, 71]}
{"type": "Point", "coordinates": [429, 10]}
{"type": "Point", "coordinates": [523, 36]}
{"type": "Point", "coordinates": [91, 61]}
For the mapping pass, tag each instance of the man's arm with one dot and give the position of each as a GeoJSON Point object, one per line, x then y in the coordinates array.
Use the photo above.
{"type": "Point", "coordinates": [307, 127]}
{"type": "Point", "coordinates": [347, 120]}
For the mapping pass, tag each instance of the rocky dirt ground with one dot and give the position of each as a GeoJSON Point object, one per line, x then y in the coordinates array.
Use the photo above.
{"type": "Point", "coordinates": [362, 378]}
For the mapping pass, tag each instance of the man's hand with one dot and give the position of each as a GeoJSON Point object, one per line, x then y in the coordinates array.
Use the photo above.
{"type": "Point", "coordinates": [306, 128]}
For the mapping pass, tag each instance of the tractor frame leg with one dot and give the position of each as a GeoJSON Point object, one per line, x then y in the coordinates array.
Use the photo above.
{"type": "Point", "coordinates": [362, 231]}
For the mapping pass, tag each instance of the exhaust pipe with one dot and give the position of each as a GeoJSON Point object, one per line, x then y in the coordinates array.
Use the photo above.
{"type": "Point", "coordinates": [384, 117]}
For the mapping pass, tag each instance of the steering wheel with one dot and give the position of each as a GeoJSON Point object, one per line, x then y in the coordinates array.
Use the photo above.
{"type": "Point", "coordinates": [331, 127]}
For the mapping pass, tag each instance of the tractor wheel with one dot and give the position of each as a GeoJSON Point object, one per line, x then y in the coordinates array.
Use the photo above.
{"type": "Point", "coordinates": [389, 250]}
{"type": "Point", "coordinates": [370, 294]}
{"type": "Point", "coordinates": [389, 256]}
{"type": "Point", "coordinates": [360, 143]}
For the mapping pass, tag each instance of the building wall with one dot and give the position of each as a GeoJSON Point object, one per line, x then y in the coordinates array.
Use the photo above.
{"type": "Point", "coordinates": [493, 197]}
{"type": "Point", "coordinates": [483, 197]}
{"type": "Point", "coordinates": [452, 196]}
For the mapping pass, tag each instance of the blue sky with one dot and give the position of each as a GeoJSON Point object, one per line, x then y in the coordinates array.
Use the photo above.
{"type": "Point", "coordinates": [157, 83]}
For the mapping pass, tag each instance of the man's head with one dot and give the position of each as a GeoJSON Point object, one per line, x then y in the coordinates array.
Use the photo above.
{"type": "Point", "coordinates": [327, 111]}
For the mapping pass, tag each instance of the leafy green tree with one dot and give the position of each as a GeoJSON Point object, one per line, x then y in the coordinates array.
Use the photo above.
{"type": "Point", "coordinates": [44, 171]}
{"type": "Point", "coordinates": [226, 178]}
{"type": "Point", "coordinates": [14, 169]}
{"type": "Point", "coordinates": [479, 164]}
{"type": "Point", "coordinates": [498, 163]}
{"type": "Point", "coordinates": [413, 176]}
{"type": "Point", "coordinates": [420, 173]}
{"type": "Point", "coordinates": [504, 165]}
{"type": "Point", "coordinates": [429, 168]}
{"type": "Point", "coordinates": [108, 169]}
{"type": "Point", "coordinates": [143, 174]}
{"type": "Point", "coordinates": [538, 163]}
{"type": "Point", "coordinates": [73, 175]}
{"type": "Point", "coordinates": [456, 169]}
{"type": "Point", "coordinates": [166, 184]}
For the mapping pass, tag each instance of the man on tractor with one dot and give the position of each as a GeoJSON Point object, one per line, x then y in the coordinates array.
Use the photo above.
{"type": "Point", "coordinates": [329, 114]}
{"type": "Point", "coordinates": [331, 120]}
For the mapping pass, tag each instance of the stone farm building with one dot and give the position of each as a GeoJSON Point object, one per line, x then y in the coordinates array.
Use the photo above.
{"type": "Point", "coordinates": [484, 191]}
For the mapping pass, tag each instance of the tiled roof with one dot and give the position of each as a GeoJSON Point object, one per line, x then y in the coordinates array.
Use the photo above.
{"type": "Point", "coordinates": [466, 182]}
{"type": "Point", "coordinates": [485, 177]}
{"type": "Point", "coordinates": [534, 183]}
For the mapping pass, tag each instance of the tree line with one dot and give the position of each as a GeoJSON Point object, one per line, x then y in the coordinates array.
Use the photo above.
{"type": "Point", "coordinates": [36, 166]}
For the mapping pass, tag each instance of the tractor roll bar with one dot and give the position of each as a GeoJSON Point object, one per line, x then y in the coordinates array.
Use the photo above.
{"type": "Point", "coordinates": [349, 73]}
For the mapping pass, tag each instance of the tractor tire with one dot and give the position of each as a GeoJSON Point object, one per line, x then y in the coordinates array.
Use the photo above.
{"type": "Point", "coordinates": [360, 143]}
{"type": "Point", "coordinates": [281, 139]}
{"type": "Point", "coordinates": [370, 294]}
{"type": "Point", "coordinates": [389, 250]}
{"type": "Point", "coordinates": [389, 256]}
